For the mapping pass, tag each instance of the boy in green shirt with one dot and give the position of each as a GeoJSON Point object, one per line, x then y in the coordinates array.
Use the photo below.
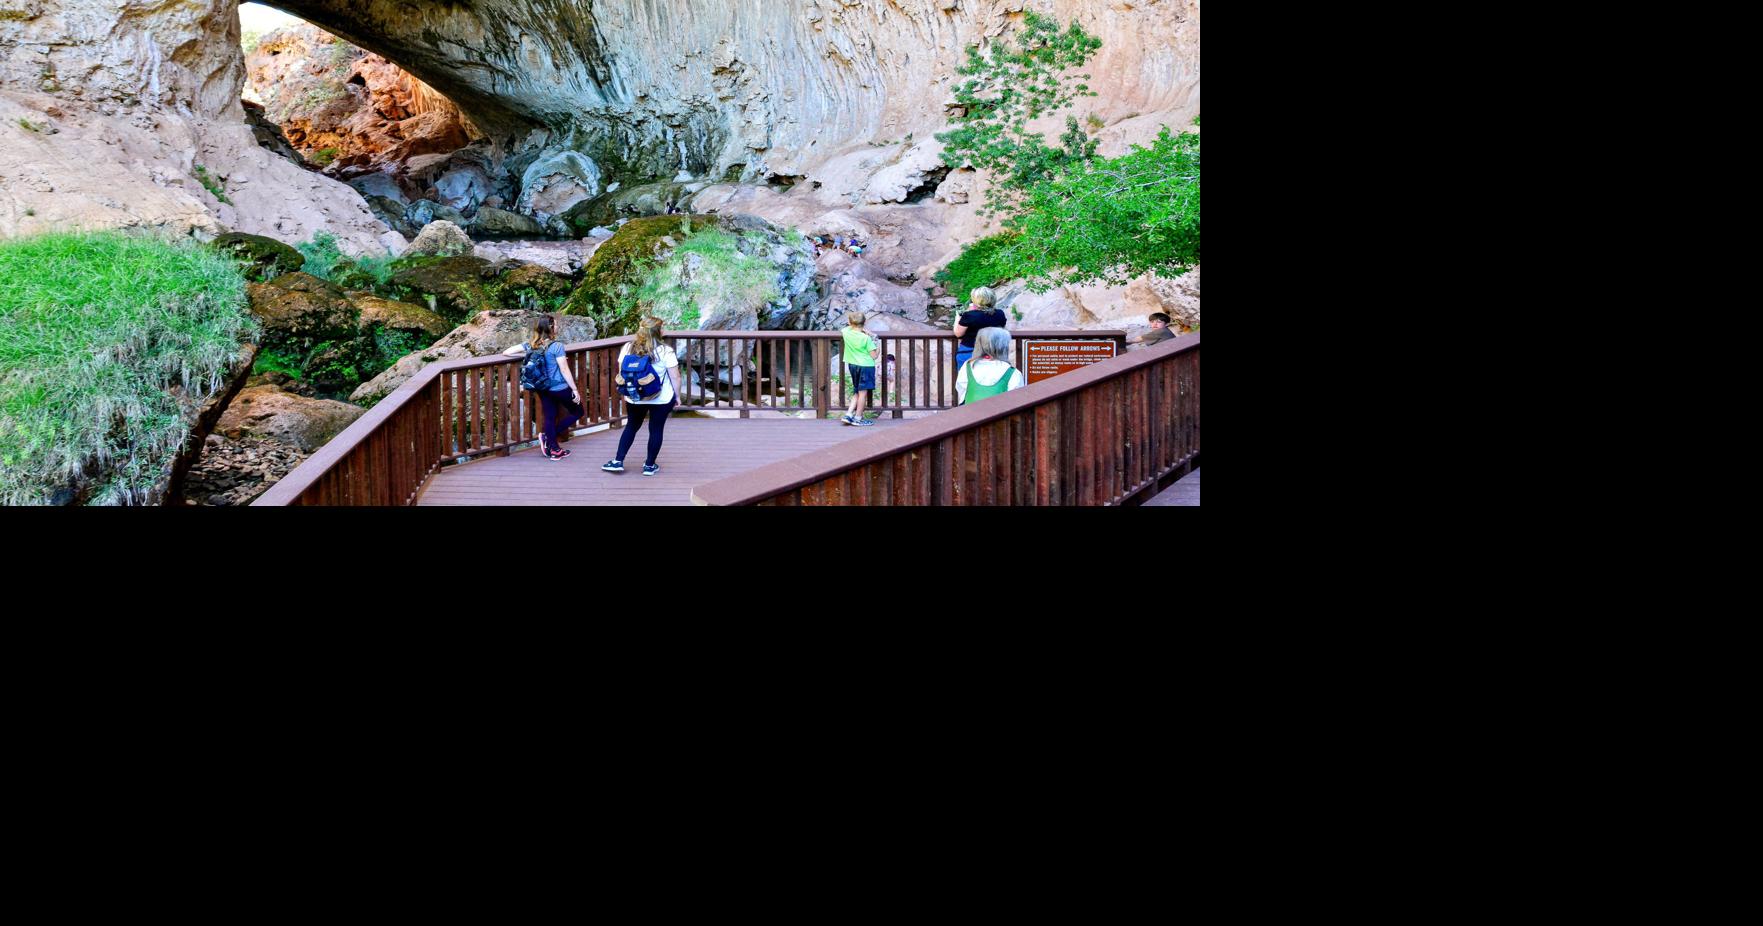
{"type": "Point", "coordinates": [861, 352]}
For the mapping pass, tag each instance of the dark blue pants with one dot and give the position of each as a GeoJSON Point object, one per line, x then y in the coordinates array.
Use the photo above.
{"type": "Point", "coordinates": [552, 403]}
{"type": "Point", "coordinates": [657, 418]}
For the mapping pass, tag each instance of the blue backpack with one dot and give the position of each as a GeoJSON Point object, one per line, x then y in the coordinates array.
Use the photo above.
{"type": "Point", "coordinates": [535, 373]}
{"type": "Point", "coordinates": [637, 379]}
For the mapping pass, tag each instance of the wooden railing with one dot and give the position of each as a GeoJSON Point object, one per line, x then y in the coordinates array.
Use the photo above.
{"type": "Point", "coordinates": [1111, 433]}
{"type": "Point", "coordinates": [457, 410]}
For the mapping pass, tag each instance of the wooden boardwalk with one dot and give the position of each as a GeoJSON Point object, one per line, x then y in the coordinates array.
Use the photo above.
{"type": "Point", "coordinates": [1184, 494]}
{"type": "Point", "coordinates": [697, 450]}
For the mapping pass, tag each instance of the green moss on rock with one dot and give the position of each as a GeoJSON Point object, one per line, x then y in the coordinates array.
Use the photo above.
{"type": "Point", "coordinates": [620, 265]}
{"type": "Point", "coordinates": [259, 257]}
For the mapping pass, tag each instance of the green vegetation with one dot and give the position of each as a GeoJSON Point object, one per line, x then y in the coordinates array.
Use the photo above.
{"type": "Point", "coordinates": [275, 361]}
{"type": "Point", "coordinates": [314, 98]}
{"type": "Point", "coordinates": [1007, 89]}
{"type": "Point", "coordinates": [342, 57]}
{"type": "Point", "coordinates": [94, 328]}
{"type": "Point", "coordinates": [211, 184]}
{"type": "Point", "coordinates": [1111, 219]}
{"type": "Point", "coordinates": [324, 156]}
{"type": "Point", "coordinates": [1069, 217]}
{"type": "Point", "coordinates": [321, 254]}
{"type": "Point", "coordinates": [250, 39]}
{"type": "Point", "coordinates": [982, 263]}
{"type": "Point", "coordinates": [30, 126]}
{"type": "Point", "coordinates": [623, 264]}
{"type": "Point", "coordinates": [707, 268]}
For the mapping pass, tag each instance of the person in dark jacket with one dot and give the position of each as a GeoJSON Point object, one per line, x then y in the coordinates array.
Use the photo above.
{"type": "Point", "coordinates": [980, 315]}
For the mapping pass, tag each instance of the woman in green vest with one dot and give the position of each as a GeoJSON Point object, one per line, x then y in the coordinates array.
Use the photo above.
{"type": "Point", "coordinates": [989, 373]}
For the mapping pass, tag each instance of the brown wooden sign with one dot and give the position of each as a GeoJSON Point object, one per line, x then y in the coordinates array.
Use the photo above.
{"type": "Point", "coordinates": [1047, 359]}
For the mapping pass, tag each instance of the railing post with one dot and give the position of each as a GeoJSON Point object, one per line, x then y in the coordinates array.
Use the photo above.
{"type": "Point", "coordinates": [822, 379]}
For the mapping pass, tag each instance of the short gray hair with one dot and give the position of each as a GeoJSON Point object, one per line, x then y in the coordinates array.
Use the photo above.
{"type": "Point", "coordinates": [993, 342]}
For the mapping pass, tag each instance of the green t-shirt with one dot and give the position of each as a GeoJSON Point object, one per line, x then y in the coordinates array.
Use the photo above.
{"type": "Point", "coordinates": [860, 347]}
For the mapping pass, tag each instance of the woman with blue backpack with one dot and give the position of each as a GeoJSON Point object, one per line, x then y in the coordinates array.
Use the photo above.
{"type": "Point", "coordinates": [544, 374]}
{"type": "Point", "coordinates": [648, 378]}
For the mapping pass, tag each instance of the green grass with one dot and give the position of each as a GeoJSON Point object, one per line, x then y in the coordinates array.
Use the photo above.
{"type": "Point", "coordinates": [324, 156]}
{"type": "Point", "coordinates": [30, 126]}
{"type": "Point", "coordinates": [93, 329]}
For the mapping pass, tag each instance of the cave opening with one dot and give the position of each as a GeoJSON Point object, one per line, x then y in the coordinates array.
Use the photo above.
{"type": "Point", "coordinates": [412, 153]}
{"type": "Point", "coordinates": [927, 189]}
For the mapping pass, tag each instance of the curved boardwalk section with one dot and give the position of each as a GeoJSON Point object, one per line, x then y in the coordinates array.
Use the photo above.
{"type": "Point", "coordinates": [697, 451]}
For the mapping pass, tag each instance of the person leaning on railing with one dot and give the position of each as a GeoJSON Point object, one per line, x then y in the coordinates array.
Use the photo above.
{"type": "Point", "coordinates": [560, 393]}
{"type": "Point", "coordinates": [980, 315]}
{"type": "Point", "coordinates": [990, 372]}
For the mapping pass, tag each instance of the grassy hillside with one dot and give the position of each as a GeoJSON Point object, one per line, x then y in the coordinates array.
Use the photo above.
{"type": "Point", "coordinates": [93, 329]}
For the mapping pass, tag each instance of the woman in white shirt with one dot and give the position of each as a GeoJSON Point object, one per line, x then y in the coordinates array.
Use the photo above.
{"type": "Point", "coordinates": [989, 373]}
{"type": "Point", "coordinates": [655, 408]}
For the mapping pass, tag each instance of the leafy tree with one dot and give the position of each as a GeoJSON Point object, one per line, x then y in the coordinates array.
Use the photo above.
{"type": "Point", "coordinates": [1111, 219]}
{"type": "Point", "coordinates": [1068, 216]}
{"type": "Point", "coordinates": [1004, 91]}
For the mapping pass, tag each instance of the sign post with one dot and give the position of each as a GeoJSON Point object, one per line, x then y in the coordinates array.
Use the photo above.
{"type": "Point", "coordinates": [1047, 359]}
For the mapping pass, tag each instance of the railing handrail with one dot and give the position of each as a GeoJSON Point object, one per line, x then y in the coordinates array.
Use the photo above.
{"type": "Point", "coordinates": [322, 462]}
{"type": "Point", "coordinates": [777, 478]}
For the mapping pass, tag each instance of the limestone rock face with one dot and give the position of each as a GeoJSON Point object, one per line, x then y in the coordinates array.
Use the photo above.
{"type": "Point", "coordinates": [733, 90]}
{"type": "Point", "coordinates": [346, 109]}
{"type": "Point", "coordinates": [487, 333]}
{"type": "Point", "coordinates": [128, 98]}
{"type": "Point", "coordinates": [266, 412]}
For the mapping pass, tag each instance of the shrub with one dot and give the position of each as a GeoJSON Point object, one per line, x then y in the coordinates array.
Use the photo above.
{"type": "Point", "coordinates": [94, 328]}
{"type": "Point", "coordinates": [321, 254]}
{"type": "Point", "coordinates": [211, 184]}
{"type": "Point", "coordinates": [324, 156]}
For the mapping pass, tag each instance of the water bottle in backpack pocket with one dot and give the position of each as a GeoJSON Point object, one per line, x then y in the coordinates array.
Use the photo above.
{"type": "Point", "coordinates": [535, 372]}
{"type": "Point", "coordinates": [637, 379]}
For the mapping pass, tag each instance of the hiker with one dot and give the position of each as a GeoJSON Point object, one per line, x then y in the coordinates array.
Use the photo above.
{"type": "Point", "coordinates": [990, 372]}
{"type": "Point", "coordinates": [861, 351]}
{"type": "Point", "coordinates": [1160, 330]}
{"type": "Point", "coordinates": [649, 360]}
{"type": "Point", "coordinates": [549, 379]}
{"type": "Point", "coordinates": [979, 316]}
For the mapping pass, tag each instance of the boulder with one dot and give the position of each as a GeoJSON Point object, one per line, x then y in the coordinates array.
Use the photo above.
{"type": "Point", "coordinates": [299, 309]}
{"type": "Point", "coordinates": [557, 181]}
{"type": "Point", "coordinates": [440, 238]}
{"type": "Point", "coordinates": [391, 212]}
{"type": "Point", "coordinates": [398, 316]}
{"type": "Point", "coordinates": [456, 287]}
{"type": "Point", "coordinates": [263, 258]}
{"type": "Point", "coordinates": [266, 412]}
{"type": "Point", "coordinates": [541, 280]}
{"type": "Point", "coordinates": [486, 334]}
{"type": "Point", "coordinates": [501, 222]}
{"type": "Point", "coordinates": [420, 213]}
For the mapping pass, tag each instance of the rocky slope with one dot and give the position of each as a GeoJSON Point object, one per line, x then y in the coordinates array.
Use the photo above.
{"type": "Point", "coordinates": [127, 113]}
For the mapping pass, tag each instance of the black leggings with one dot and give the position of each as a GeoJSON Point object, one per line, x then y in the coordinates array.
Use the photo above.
{"type": "Point", "coordinates": [552, 403]}
{"type": "Point", "coordinates": [657, 424]}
